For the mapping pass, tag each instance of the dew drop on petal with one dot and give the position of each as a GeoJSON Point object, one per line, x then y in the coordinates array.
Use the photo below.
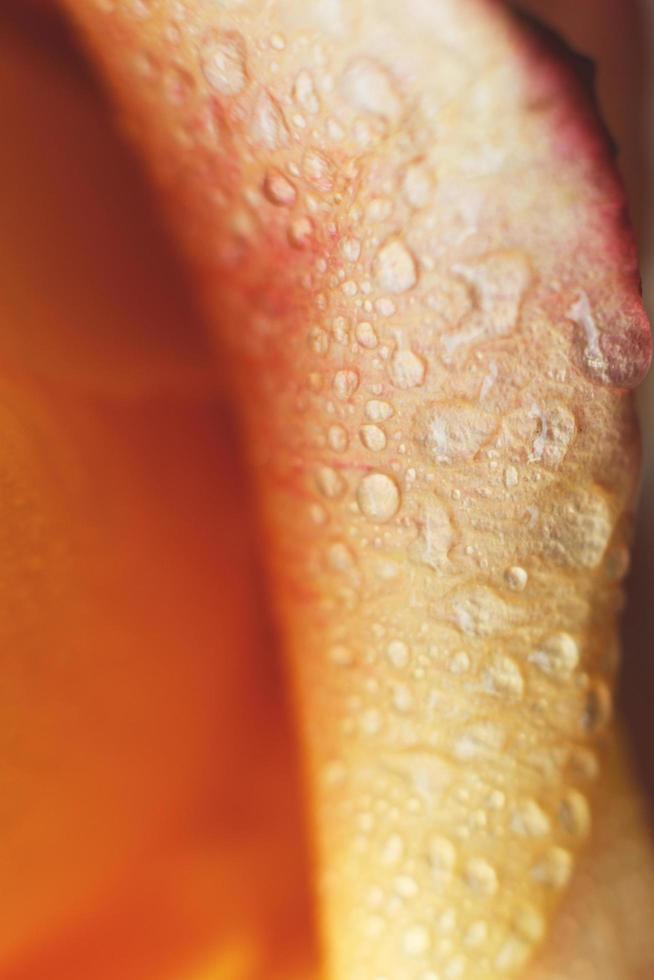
{"type": "Point", "coordinates": [223, 59]}
{"type": "Point", "coordinates": [395, 267]}
{"type": "Point", "coordinates": [279, 190]}
{"type": "Point", "coordinates": [407, 369]}
{"type": "Point", "coordinates": [416, 940]}
{"type": "Point", "coordinates": [345, 384]}
{"type": "Point", "coordinates": [553, 869]}
{"type": "Point", "coordinates": [267, 124]}
{"type": "Point", "coordinates": [330, 483]}
{"type": "Point", "coordinates": [337, 438]}
{"type": "Point", "coordinates": [373, 438]}
{"type": "Point", "coordinates": [378, 411]}
{"type": "Point", "coordinates": [557, 655]}
{"type": "Point", "coordinates": [574, 814]}
{"type": "Point", "coordinates": [480, 876]}
{"type": "Point", "coordinates": [368, 87]}
{"type": "Point", "coordinates": [378, 497]}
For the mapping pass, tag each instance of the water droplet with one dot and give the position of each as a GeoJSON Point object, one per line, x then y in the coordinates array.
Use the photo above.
{"type": "Point", "coordinates": [373, 438]}
{"type": "Point", "coordinates": [368, 87]}
{"type": "Point", "coordinates": [442, 857]}
{"type": "Point", "coordinates": [516, 578]}
{"type": "Point", "coordinates": [339, 557]}
{"type": "Point", "coordinates": [378, 411]}
{"type": "Point", "coordinates": [267, 124]}
{"type": "Point", "coordinates": [459, 663]}
{"type": "Point", "coordinates": [350, 249]}
{"type": "Point", "coordinates": [503, 677]}
{"type": "Point", "coordinates": [456, 432]}
{"type": "Point", "coordinates": [330, 483]}
{"type": "Point", "coordinates": [402, 698]}
{"type": "Point", "coordinates": [500, 282]}
{"type": "Point", "coordinates": [620, 356]}
{"type": "Point", "coordinates": [304, 92]}
{"type": "Point", "coordinates": [574, 814]}
{"type": "Point", "coordinates": [476, 934]}
{"type": "Point", "coordinates": [370, 722]}
{"type": "Point", "coordinates": [300, 232]}
{"type": "Point", "coordinates": [378, 497]}
{"type": "Point", "coordinates": [337, 438]}
{"type": "Point", "coordinates": [480, 877]}
{"type": "Point", "coordinates": [317, 169]}
{"type": "Point", "coordinates": [223, 59]}
{"type": "Point", "coordinates": [435, 535]}
{"type": "Point", "coordinates": [554, 868]}
{"type": "Point", "coordinates": [407, 369]}
{"type": "Point", "coordinates": [530, 820]}
{"type": "Point", "coordinates": [557, 655]}
{"type": "Point", "coordinates": [365, 335]}
{"type": "Point", "coordinates": [598, 707]}
{"type": "Point", "coordinates": [481, 612]}
{"type": "Point", "coordinates": [398, 653]}
{"type": "Point", "coordinates": [346, 383]}
{"type": "Point", "coordinates": [417, 185]}
{"type": "Point", "coordinates": [481, 741]}
{"type": "Point", "coordinates": [579, 528]}
{"type": "Point", "coordinates": [279, 190]}
{"type": "Point", "coordinates": [392, 850]}
{"type": "Point", "coordinates": [455, 968]}
{"type": "Point", "coordinates": [341, 656]}
{"type": "Point", "coordinates": [583, 765]}
{"type": "Point", "coordinates": [416, 940]}
{"type": "Point", "coordinates": [405, 886]}
{"type": "Point", "coordinates": [395, 267]}
{"type": "Point", "coordinates": [527, 929]}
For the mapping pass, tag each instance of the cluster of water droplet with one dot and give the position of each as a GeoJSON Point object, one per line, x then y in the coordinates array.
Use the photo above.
{"type": "Point", "coordinates": [439, 494]}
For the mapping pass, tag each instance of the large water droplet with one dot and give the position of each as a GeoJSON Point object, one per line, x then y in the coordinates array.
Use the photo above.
{"type": "Point", "coordinates": [557, 655]}
{"type": "Point", "coordinates": [407, 369]}
{"type": "Point", "coordinates": [346, 383]}
{"type": "Point", "coordinates": [337, 438]}
{"type": "Point", "coordinates": [516, 578]}
{"type": "Point", "coordinates": [378, 497]}
{"type": "Point", "coordinates": [378, 411]}
{"type": "Point", "coordinates": [366, 335]}
{"type": "Point", "coordinates": [417, 185]}
{"type": "Point", "coordinates": [373, 438]}
{"type": "Point", "coordinates": [530, 820]}
{"type": "Point", "coordinates": [395, 267]}
{"type": "Point", "coordinates": [574, 814]}
{"type": "Point", "coordinates": [416, 940]}
{"type": "Point", "coordinates": [368, 87]}
{"type": "Point", "coordinates": [267, 124]}
{"type": "Point", "coordinates": [554, 868]}
{"type": "Point", "coordinates": [223, 59]}
{"type": "Point", "coordinates": [456, 432]}
{"type": "Point", "coordinates": [304, 92]}
{"type": "Point", "coordinates": [598, 707]}
{"type": "Point", "coordinates": [279, 190]}
{"type": "Point", "coordinates": [330, 483]}
{"type": "Point", "coordinates": [480, 877]}
{"type": "Point", "coordinates": [300, 232]}
{"type": "Point", "coordinates": [398, 653]}
{"type": "Point", "coordinates": [503, 677]}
